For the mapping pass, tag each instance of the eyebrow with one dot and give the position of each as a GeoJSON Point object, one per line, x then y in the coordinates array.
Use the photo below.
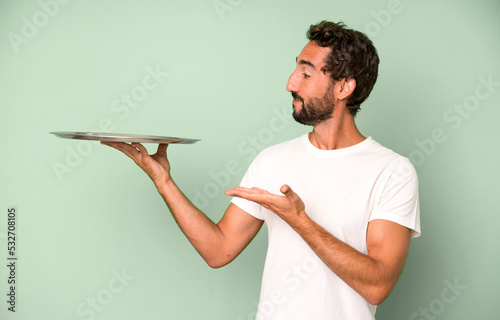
{"type": "Point", "coordinates": [305, 62]}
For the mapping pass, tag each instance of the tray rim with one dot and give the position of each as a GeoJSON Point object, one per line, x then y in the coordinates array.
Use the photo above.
{"type": "Point", "coordinates": [120, 137]}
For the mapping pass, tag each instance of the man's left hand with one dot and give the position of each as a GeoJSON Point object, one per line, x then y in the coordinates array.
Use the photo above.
{"type": "Point", "coordinates": [288, 206]}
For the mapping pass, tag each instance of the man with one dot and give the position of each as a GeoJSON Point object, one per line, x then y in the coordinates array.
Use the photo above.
{"type": "Point", "coordinates": [339, 207]}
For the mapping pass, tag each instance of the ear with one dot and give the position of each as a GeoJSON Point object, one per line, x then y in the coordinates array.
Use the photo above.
{"type": "Point", "coordinates": [346, 88]}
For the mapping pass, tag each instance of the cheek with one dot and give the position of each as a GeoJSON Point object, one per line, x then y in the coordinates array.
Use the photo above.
{"type": "Point", "coordinates": [323, 87]}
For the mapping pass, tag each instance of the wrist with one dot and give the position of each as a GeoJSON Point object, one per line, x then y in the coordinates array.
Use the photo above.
{"type": "Point", "coordinates": [165, 185]}
{"type": "Point", "coordinates": [302, 222]}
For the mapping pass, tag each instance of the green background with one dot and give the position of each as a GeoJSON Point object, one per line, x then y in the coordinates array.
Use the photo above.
{"type": "Point", "coordinates": [86, 213]}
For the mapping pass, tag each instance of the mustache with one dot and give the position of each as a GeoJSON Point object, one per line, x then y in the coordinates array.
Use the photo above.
{"type": "Point", "coordinates": [296, 96]}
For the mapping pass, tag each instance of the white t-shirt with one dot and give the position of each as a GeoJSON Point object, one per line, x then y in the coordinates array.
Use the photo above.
{"type": "Point", "coordinates": [343, 190]}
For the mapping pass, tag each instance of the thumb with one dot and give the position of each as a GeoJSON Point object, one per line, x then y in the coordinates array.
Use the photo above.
{"type": "Point", "coordinates": [162, 148]}
{"type": "Point", "coordinates": [287, 191]}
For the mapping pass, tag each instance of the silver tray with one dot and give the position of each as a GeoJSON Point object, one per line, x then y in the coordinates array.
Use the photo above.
{"type": "Point", "coordinates": [118, 137]}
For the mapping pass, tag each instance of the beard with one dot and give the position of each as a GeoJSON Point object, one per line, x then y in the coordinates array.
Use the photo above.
{"type": "Point", "coordinates": [315, 111]}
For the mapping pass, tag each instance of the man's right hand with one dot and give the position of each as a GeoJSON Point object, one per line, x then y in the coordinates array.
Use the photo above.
{"type": "Point", "coordinates": [156, 165]}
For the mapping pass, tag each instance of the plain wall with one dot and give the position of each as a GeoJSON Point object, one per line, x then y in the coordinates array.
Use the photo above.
{"type": "Point", "coordinates": [93, 237]}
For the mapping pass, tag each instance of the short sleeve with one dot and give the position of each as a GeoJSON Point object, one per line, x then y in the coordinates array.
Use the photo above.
{"type": "Point", "coordinates": [398, 201]}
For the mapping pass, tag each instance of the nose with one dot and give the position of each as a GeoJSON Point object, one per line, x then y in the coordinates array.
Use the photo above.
{"type": "Point", "coordinates": [292, 84]}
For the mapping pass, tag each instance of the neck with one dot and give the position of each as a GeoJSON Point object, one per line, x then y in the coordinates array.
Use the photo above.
{"type": "Point", "coordinates": [338, 132]}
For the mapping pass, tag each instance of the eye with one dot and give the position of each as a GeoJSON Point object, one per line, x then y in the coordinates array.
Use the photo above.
{"type": "Point", "coordinates": [306, 75]}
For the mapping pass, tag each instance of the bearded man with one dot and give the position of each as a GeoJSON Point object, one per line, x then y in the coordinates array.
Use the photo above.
{"type": "Point", "coordinates": [340, 209]}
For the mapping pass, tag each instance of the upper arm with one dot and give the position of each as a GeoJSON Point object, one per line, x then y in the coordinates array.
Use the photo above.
{"type": "Point", "coordinates": [238, 229]}
{"type": "Point", "coordinates": [388, 244]}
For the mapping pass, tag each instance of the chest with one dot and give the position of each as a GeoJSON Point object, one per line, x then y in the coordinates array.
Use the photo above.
{"type": "Point", "coordinates": [338, 196]}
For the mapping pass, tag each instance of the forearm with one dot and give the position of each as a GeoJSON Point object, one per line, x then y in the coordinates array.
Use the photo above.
{"type": "Point", "coordinates": [365, 275]}
{"type": "Point", "coordinates": [372, 275]}
{"type": "Point", "coordinates": [203, 233]}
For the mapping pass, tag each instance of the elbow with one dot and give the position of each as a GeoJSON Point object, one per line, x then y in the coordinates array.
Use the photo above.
{"type": "Point", "coordinates": [217, 262]}
{"type": "Point", "coordinates": [377, 295]}
{"type": "Point", "coordinates": [375, 300]}
{"type": "Point", "coordinates": [217, 257]}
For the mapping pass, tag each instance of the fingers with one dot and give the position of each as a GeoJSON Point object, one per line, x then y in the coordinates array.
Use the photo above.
{"type": "Point", "coordinates": [125, 147]}
{"type": "Point", "coordinates": [235, 191]}
{"type": "Point", "coordinates": [253, 190]}
{"type": "Point", "coordinates": [238, 192]}
{"type": "Point", "coordinates": [253, 194]}
{"type": "Point", "coordinates": [133, 151]}
{"type": "Point", "coordinates": [141, 148]}
{"type": "Point", "coordinates": [136, 150]}
{"type": "Point", "coordinates": [120, 146]}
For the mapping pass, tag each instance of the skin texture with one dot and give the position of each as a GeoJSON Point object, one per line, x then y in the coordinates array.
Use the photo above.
{"type": "Point", "coordinates": [372, 275]}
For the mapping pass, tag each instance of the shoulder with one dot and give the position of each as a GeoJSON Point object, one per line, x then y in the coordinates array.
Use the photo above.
{"type": "Point", "coordinates": [397, 170]}
{"type": "Point", "coordinates": [378, 150]}
{"type": "Point", "coordinates": [387, 155]}
{"type": "Point", "coordinates": [389, 162]}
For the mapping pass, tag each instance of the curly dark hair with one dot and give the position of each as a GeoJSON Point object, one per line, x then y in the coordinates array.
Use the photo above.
{"type": "Point", "coordinates": [353, 56]}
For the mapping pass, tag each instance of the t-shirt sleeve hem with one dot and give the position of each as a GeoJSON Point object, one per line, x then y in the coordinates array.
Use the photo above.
{"type": "Point", "coordinates": [408, 223]}
{"type": "Point", "coordinates": [247, 206]}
